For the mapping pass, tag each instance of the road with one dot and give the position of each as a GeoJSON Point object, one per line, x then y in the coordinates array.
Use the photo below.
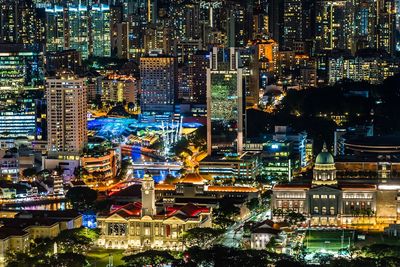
{"type": "Point", "coordinates": [234, 234]}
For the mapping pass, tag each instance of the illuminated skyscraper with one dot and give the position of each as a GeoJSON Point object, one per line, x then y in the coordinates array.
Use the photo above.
{"type": "Point", "coordinates": [20, 66]}
{"type": "Point", "coordinates": [101, 31]}
{"type": "Point", "coordinates": [198, 64]}
{"type": "Point", "coordinates": [20, 23]}
{"type": "Point", "coordinates": [78, 21]}
{"type": "Point", "coordinates": [56, 28]}
{"type": "Point", "coordinates": [66, 114]}
{"type": "Point", "coordinates": [158, 82]}
{"type": "Point", "coordinates": [333, 24]}
{"type": "Point", "coordinates": [292, 22]}
{"type": "Point", "coordinates": [224, 102]}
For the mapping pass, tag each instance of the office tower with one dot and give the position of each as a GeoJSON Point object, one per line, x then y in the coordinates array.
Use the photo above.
{"type": "Point", "coordinates": [364, 25]}
{"type": "Point", "coordinates": [198, 64]}
{"type": "Point", "coordinates": [224, 102]}
{"type": "Point", "coordinates": [292, 23]}
{"type": "Point", "coordinates": [56, 32]}
{"type": "Point", "coordinates": [78, 22]}
{"type": "Point", "coordinates": [119, 88]}
{"type": "Point", "coordinates": [386, 25]}
{"type": "Point", "coordinates": [66, 59]}
{"type": "Point", "coordinates": [17, 116]}
{"type": "Point", "coordinates": [275, 20]}
{"type": "Point", "coordinates": [158, 38]}
{"type": "Point", "coordinates": [20, 23]}
{"type": "Point", "coordinates": [20, 66]}
{"type": "Point", "coordinates": [237, 26]}
{"type": "Point", "coordinates": [192, 21]}
{"type": "Point", "coordinates": [66, 114]}
{"type": "Point", "coordinates": [116, 31]}
{"type": "Point", "coordinates": [100, 30]}
{"type": "Point", "coordinates": [334, 24]}
{"type": "Point", "coordinates": [158, 82]}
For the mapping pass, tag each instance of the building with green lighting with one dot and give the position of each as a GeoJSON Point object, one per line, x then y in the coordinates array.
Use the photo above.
{"type": "Point", "coordinates": [20, 66]}
{"type": "Point", "coordinates": [279, 160]}
{"type": "Point", "coordinates": [224, 102]}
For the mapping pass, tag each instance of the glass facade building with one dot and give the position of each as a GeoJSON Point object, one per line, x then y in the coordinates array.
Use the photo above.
{"type": "Point", "coordinates": [100, 20]}
{"type": "Point", "coordinates": [78, 20]}
{"type": "Point", "coordinates": [55, 33]}
{"type": "Point", "coordinates": [224, 103]}
{"type": "Point", "coordinates": [20, 65]}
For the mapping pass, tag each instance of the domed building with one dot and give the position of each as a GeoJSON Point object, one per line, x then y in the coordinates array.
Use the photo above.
{"type": "Point", "coordinates": [324, 172]}
{"type": "Point", "coordinates": [326, 201]}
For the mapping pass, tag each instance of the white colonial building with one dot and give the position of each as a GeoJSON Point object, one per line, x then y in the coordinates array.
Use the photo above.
{"type": "Point", "coordinates": [142, 226]}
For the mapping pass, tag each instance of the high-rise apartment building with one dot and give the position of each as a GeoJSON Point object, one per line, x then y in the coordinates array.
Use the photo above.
{"type": "Point", "coordinates": [66, 114]}
{"type": "Point", "coordinates": [224, 102]}
{"type": "Point", "coordinates": [158, 82]}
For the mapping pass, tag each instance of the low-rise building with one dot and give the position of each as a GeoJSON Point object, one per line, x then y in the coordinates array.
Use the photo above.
{"type": "Point", "coordinates": [104, 163]}
{"type": "Point", "coordinates": [262, 233]}
{"type": "Point", "coordinates": [18, 229]}
{"type": "Point", "coordinates": [329, 201]}
{"type": "Point", "coordinates": [244, 167]}
{"type": "Point", "coordinates": [142, 226]}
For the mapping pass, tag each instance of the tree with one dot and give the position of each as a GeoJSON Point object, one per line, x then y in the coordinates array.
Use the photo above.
{"type": "Point", "coordinates": [201, 237]}
{"type": "Point", "coordinates": [225, 214]}
{"type": "Point", "coordinates": [253, 204]}
{"type": "Point", "coordinates": [29, 172]}
{"type": "Point", "coordinates": [68, 260]}
{"type": "Point", "coordinates": [180, 147]}
{"type": "Point", "coordinates": [80, 173]}
{"type": "Point", "coordinates": [294, 217]}
{"type": "Point", "coordinates": [81, 197]}
{"type": "Point", "coordinates": [225, 256]}
{"type": "Point", "coordinates": [149, 257]}
{"type": "Point", "coordinates": [76, 240]}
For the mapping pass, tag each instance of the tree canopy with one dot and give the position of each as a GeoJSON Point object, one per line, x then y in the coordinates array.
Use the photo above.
{"type": "Point", "coordinates": [81, 197]}
{"type": "Point", "coordinates": [203, 237]}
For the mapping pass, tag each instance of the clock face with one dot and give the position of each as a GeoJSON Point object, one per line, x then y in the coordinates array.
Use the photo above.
{"type": "Point", "coordinates": [146, 192]}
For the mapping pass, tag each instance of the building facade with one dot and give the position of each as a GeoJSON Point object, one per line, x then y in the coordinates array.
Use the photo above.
{"type": "Point", "coordinates": [328, 201]}
{"type": "Point", "coordinates": [225, 102]}
{"type": "Point", "coordinates": [66, 114]}
{"type": "Point", "coordinates": [158, 83]}
{"type": "Point", "coordinates": [142, 226]}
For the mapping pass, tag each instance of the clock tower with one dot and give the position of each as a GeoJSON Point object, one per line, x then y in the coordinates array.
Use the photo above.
{"type": "Point", "coordinates": [148, 196]}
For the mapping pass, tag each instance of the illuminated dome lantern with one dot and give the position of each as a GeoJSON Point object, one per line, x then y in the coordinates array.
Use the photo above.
{"type": "Point", "coordinates": [324, 169]}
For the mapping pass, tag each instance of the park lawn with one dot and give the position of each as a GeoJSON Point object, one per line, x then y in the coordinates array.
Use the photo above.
{"type": "Point", "coordinates": [328, 240]}
{"type": "Point", "coordinates": [99, 257]}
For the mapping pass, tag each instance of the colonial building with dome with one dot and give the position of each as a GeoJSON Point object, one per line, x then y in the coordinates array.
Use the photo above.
{"type": "Point", "coordinates": [328, 201]}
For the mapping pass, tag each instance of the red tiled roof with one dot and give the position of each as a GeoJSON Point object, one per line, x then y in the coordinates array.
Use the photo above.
{"type": "Point", "coordinates": [130, 209]}
{"type": "Point", "coordinates": [189, 210]}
